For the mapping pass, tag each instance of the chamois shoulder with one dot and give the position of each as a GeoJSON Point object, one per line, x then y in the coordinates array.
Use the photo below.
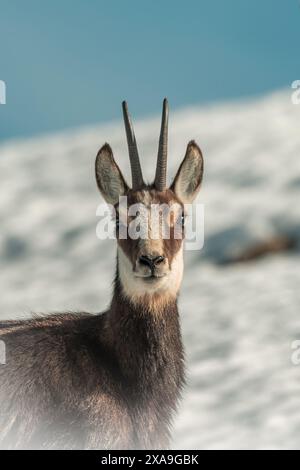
{"type": "Point", "coordinates": [48, 321]}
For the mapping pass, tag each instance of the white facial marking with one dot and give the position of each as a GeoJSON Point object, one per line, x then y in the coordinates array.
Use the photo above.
{"type": "Point", "coordinates": [136, 287]}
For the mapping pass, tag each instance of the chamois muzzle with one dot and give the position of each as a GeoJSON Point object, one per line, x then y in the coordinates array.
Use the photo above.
{"type": "Point", "coordinates": [151, 266]}
{"type": "Point", "coordinates": [151, 261]}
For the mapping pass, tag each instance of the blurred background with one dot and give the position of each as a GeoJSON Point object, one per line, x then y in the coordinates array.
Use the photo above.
{"type": "Point", "coordinates": [227, 69]}
{"type": "Point", "coordinates": [70, 63]}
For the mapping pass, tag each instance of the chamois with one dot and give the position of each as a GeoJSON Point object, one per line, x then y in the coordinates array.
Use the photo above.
{"type": "Point", "coordinates": [111, 380]}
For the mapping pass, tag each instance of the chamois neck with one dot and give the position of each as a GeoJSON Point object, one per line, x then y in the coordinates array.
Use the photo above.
{"type": "Point", "coordinates": [145, 339]}
{"type": "Point", "coordinates": [154, 305]}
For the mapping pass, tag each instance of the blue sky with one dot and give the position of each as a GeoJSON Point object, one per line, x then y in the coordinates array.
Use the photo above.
{"type": "Point", "coordinates": [68, 63]}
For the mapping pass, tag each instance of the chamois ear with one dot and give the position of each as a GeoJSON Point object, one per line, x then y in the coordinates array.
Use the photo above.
{"type": "Point", "coordinates": [187, 182]}
{"type": "Point", "coordinates": [109, 178]}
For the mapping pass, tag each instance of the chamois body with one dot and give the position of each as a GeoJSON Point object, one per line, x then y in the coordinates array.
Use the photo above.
{"type": "Point", "coordinates": [82, 381]}
{"type": "Point", "coordinates": [111, 380]}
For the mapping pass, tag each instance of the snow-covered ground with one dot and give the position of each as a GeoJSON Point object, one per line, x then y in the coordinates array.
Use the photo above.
{"type": "Point", "coordinates": [239, 320]}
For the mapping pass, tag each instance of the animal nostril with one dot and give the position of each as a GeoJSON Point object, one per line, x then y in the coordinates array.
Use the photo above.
{"type": "Point", "coordinates": [158, 260]}
{"type": "Point", "coordinates": [151, 261]}
{"type": "Point", "coordinates": [146, 261]}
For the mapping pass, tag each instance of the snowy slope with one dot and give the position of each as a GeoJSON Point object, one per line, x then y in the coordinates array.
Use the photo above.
{"type": "Point", "coordinates": [238, 321]}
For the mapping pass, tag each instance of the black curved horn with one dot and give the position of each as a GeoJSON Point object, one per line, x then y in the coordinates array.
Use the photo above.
{"type": "Point", "coordinates": [136, 171]}
{"type": "Point", "coordinates": [161, 166]}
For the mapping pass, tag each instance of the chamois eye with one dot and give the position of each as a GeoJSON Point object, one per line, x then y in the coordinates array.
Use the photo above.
{"type": "Point", "coordinates": [180, 220]}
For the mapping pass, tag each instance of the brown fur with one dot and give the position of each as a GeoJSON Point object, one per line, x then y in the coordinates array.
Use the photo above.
{"type": "Point", "coordinates": [106, 381]}
{"type": "Point", "coordinates": [85, 381]}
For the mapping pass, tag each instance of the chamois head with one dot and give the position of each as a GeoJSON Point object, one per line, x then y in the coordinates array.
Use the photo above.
{"type": "Point", "coordinates": [150, 227]}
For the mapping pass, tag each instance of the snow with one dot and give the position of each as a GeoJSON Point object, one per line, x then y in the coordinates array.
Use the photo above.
{"type": "Point", "coordinates": [239, 321]}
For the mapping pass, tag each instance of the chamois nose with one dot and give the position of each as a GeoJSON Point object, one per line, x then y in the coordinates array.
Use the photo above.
{"type": "Point", "coordinates": [151, 261]}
